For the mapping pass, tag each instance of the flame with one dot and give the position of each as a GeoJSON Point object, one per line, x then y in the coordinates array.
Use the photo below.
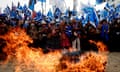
{"type": "Point", "coordinates": [89, 62]}
{"type": "Point", "coordinates": [28, 59]}
{"type": "Point", "coordinates": [100, 45]}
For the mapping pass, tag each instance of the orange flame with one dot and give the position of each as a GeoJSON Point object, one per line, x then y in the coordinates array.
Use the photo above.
{"type": "Point", "coordinates": [100, 45]}
{"type": "Point", "coordinates": [27, 59]}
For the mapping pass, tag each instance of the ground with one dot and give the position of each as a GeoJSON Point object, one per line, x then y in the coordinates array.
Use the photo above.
{"type": "Point", "coordinates": [113, 64]}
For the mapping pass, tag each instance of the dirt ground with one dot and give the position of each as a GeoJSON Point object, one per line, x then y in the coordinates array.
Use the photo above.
{"type": "Point", "coordinates": [113, 64]}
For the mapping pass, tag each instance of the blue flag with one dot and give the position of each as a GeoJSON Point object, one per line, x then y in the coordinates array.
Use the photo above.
{"type": "Point", "coordinates": [25, 8]}
{"type": "Point", "coordinates": [91, 15]}
{"type": "Point", "coordinates": [31, 4]}
{"type": "Point", "coordinates": [74, 13]}
{"type": "Point", "coordinates": [99, 1]}
{"type": "Point", "coordinates": [19, 7]}
{"type": "Point", "coordinates": [42, 0]}
{"type": "Point", "coordinates": [49, 14]}
{"type": "Point", "coordinates": [67, 12]}
{"type": "Point", "coordinates": [57, 13]}
{"type": "Point", "coordinates": [7, 10]}
{"type": "Point", "coordinates": [38, 16]}
{"type": "Point", "coordinates": [13, 14]}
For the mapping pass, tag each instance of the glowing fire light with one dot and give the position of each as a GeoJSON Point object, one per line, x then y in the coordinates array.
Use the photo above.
{"type": "Point", "coordinates": [100, 45]}
{"type": "Point", "coordinates": [27, 59]}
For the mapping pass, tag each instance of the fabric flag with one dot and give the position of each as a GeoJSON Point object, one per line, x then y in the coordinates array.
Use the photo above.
{"type": "Point", "coordinates": [111, 13]}
{"type": "Point", "coordinates": [57, 13]}
{"type": "Point", "coordinates": [117, 11]}
{"type": "Point", "coordinates": [25, 8]}
{"type": "Point", "coordinates": [107, 6]}
{"type": "Point", "coordinates": [118, 8]}
{"type": "Point", "coordinates": [91, 15]}
{"type": "Point", "coordinates": [13, 14]}
{"type": "Point", "coordinates": [67, 12]}
{"type": "Point", "coordinates": [27, 13]}
{"type": "Point", "coordinates": [42, 0]}
{"type": "Point", "coordinates": [19, 7]}
{"type": "Point", "coordinates": [74, 13]}
{"type": "Point", "coordinates": [49, 14]}
{"type": "Point", "coordinates": [7, 10]}
{"type": "Point", "coordinates": [99, 1]}
{"type": "Point", "coordinates": [103, 14]}
{"type": "Point", "coordinates": [38, 16]}
{"type": "Point", "coordinates": [31, 4]}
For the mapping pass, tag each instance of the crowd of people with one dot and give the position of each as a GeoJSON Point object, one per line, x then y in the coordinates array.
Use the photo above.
{"type": "Point", "coordinates": [64, 35]}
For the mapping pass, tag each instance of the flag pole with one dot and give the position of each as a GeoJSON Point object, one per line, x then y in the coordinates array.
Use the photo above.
{"type": "Point", "coordinates": [42, 7]}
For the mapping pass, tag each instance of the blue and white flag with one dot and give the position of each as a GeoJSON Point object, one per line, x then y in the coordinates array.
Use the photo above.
{"type": "Point", "coordinates": [38, 16]}
{"type": "Point", "coordinates": [57, 13]}
{"type": "Point", "coordinates": [7, 10]}
{"type": "Point", "coordinates": [19, 7]}
{"type": "Point", "coordinates": [50, 14]}
{"type": "Point", "coordinates": [25, 8]}
{"type": "Point", "coordinates": [31, 4]}
{"type": "Point", "coordinates": [99, 1]}
{"type": "Point", "coordinates": [118, 7]}
{"type": "Point", "coordinates": [13, 14]}
{"type": "Point", "coordinates": [91, 15]}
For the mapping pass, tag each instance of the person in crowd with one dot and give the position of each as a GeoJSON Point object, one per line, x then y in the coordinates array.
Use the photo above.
{"type": "Point", "coordinates": [105, 30]}
{"type": "Point", "coordinates": [64, 40]}
{"type": "Point", "coordinates": [3, 28]}
{"type": "Point", "coordinates": [32, 32]}
{"type": "Point", "coordinates": [114, 36]}
{"type": "Point", "coordinates": [44, 32]}
{"type": "Point", "coordinates": [76, 36]}
{"type": "Point", "coordinates": [90, 30]}
{"type": "Point", "coordinates": [26, 24]}
{"type": "Point", "coordinates": [98, 30]}
{"type": "Point", "coordinates": [68, 31]}
{"type": "Point", "coordinates": [53, 38]}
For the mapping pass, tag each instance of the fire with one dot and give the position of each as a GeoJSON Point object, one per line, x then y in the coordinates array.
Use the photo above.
{"type": "Point", "coordinates": [89, 62]}
{"type": "Point", "coordinates": [28, 59]}
{"type": "Point", "coordinates": [100, 45]}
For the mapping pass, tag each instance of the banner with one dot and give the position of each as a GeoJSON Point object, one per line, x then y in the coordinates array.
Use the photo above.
{"type": "Point", "coordinates": [31, 4]}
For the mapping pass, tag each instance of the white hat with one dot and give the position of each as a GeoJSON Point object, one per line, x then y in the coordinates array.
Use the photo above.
{"type": "Point", "coordinates": [52, 22]}
{"type": "Point", "coordinates": [43, 22]}
{"type": "Point", "coordinates": [57, 20]}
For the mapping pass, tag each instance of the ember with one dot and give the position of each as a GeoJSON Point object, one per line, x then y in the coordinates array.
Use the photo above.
{"type": "Point", "coordinates": [27, 59]}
